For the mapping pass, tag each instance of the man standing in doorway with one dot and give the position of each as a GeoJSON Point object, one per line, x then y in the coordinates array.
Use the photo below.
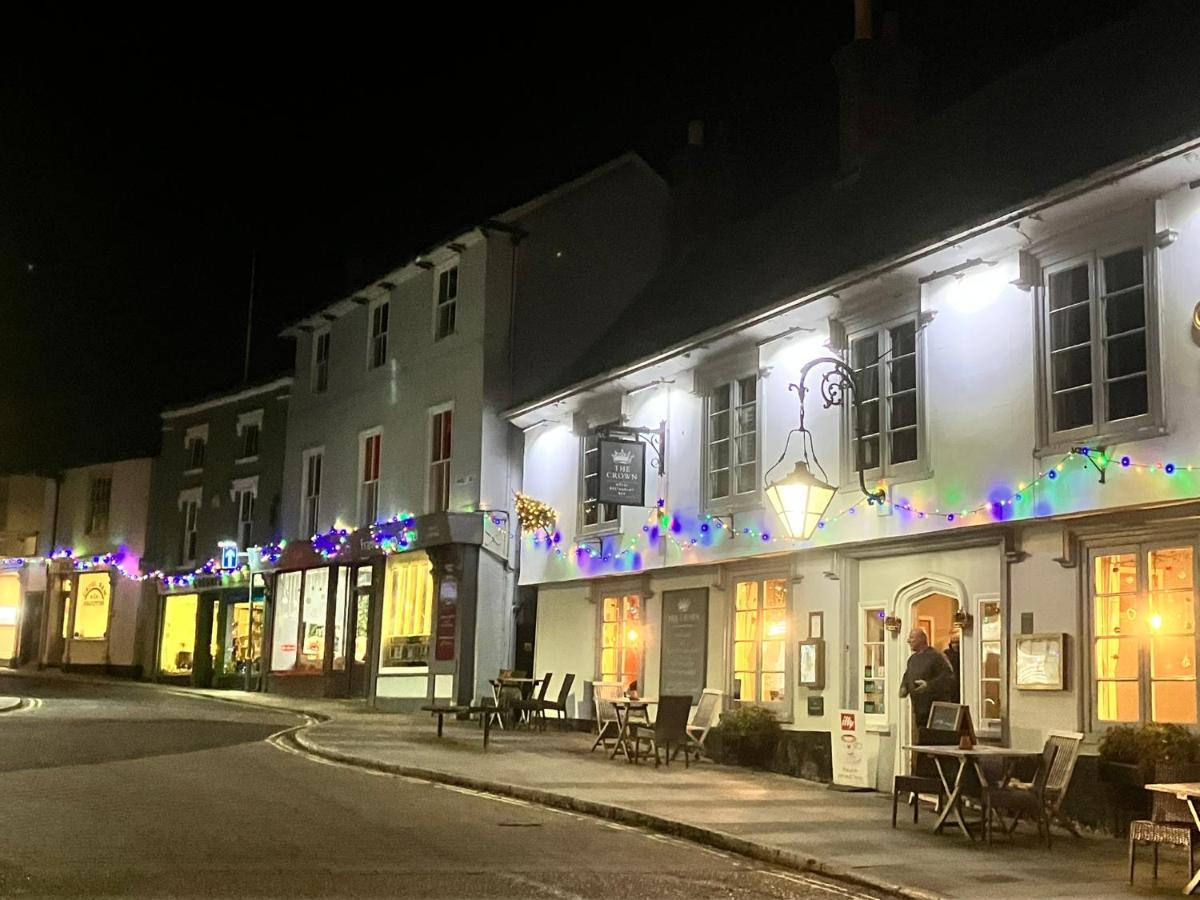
{"type": "Point", "coordinates": [927, 677]}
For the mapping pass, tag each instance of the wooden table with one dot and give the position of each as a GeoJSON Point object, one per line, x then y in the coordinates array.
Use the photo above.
{"type": "Point", "coordinates": [625, 710]}
{"type": "Point", "coordinates": [1189, 792]}
{"type": "Point", "coordinates": [944, 755]}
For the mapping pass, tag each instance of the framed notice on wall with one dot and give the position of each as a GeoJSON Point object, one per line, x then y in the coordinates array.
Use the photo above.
{"type": "Point", "coordinates": [684, 643]}
{"type": "Point", "coordinates": [622, 472]}
{"type": "Point", "coordinates": [1040, 661]}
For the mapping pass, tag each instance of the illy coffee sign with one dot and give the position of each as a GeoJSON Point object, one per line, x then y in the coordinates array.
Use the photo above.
{"type": "Point", "coordinates": [622, 472]}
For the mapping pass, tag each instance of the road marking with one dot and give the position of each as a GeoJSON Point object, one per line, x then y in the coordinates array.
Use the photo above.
{"type": "Point", "coordinates": [540, 886]}
{"type": "Point", "coordinates": [818, 884]}
{"type": "Point", "coordinates": [27, 704]}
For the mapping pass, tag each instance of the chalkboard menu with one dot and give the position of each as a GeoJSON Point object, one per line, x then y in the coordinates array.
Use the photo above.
{"type": "Point", "coordinates": [684, 643]}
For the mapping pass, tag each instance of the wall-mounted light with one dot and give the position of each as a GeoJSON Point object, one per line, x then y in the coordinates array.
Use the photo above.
{"type": "Point", "coordinates": [956, 270]}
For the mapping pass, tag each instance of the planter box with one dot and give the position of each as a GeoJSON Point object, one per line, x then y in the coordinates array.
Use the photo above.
{"type": "Point", "coordinates": [1128, 799]}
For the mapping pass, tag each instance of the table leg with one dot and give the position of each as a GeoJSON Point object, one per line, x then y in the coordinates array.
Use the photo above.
{"type": "Point", "coordinates": [487, 730]}
{"type": "Point", "coordinates": [439, 715]}
{"type": "Point", "coordinates": [1195, 882]}
{"type": "Point", "coordinates": [954, 801]}
{"type": "Point", "coordinates": [496, 688]}
{"type": "Point", "coordinates": [622, 732]}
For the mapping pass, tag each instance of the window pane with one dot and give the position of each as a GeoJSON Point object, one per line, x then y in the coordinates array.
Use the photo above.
{"type": "Point", "coordinates": [746, 479]}
{"type": "Point", "coordinates": [864, 351]}
{"type": "Point", "coordinates": [746, 419]}
{"type": "Point", "coordinates": [747, 390]}
{"type": "Point", "coordinates": [746, 625]}
{"type": "Point", "coordinates": [747, 595]}
{"type": "Point", "coordinates": [991, 660]}
{"type": "Point", "coordinates": [775, 593]}
{"type": "Point", "coordinates": [1069, 286]}
{"type": "Point", "coordinates": [1173, 612]}
{"type": "Point", "coordinates": [312, 626]}
{"type": "Point", "coordinates": [1116, 615]}
{"type": "Point", "coordinates": [719, 455]}
{"type": "Point", "coordinates": [1171, 569]}
{"type": "Point", "coordinates": [773, 656]}
{"type": "Point", "coordinates": [868, 453]}
{"type": "Point", "coordinates": [1122, 270]}
{"type": "Point", "coordinates": [1174, 701]}
{"type": "Point", "coordinates": [178, 634]}
{"type": "Point", "coordinates": [1173, 657]}
{"type": "Point", "coordinates": [773, 687]}
{"type": "Point", "coordinates": [612, 609]}
{"type": "Point", "coordinates": [1126, 355]}
{"type": "Point", "coordinates": [992, 708]}
{"type": "Point", "coordinates": [1117, 658]}
{"type": "Point", "coordinates": [743, 656]}
{"type": "Point", "coordinates": [1069, 327]}
{"type": "Point", "coordinates": [1117, 701]}
{"type": "Point", "coordinates": [868, 418]}
{"type": "Point", "coordinates": [719, 484]}
{"type": "Point", "coordinates": [1124, 312]}
{"type": "Point", "coordinates": [873, 625]}
{"type": "Point", "coordinates": [1073, 410]}
{"type": "Point", "coordinates": [745, 681]}
{"type": "Point", "coordinates": [719, 398]}
{"type": "Point", "coordinates": [1072, 368]}
{"type": "Point", "coordinates": [904, 445]}
{"type": "Point", "coordinates": [287, 621]}
{"type": "Point", "coordinates": [718, 426]}
{"type": "Point", "coordinates": [903, 374]}
{"type": "Point", "coordinates": [407, 609]}
{"type": "Point", "coordinates": [903, 409]}
{"type": "Point", "coordinates": [1128, 398]}
{"type": "Point", "coordinates": [1116, 574]}
{"type": "Point", "coordinates": [746, 449]}
{"type": "Point", "coordinates": [904, 339]}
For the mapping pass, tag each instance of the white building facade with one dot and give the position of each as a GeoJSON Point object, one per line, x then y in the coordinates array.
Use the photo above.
{"type": "Point", "coordinates": [1029, 389]}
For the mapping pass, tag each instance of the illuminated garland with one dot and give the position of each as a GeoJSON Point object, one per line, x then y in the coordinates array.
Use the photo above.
{"type": "Point", "coordinates": [534, 515]}
{"type": "Point", "coordinates": [709, 529]}
{"type": "Point", "coordinates": [396, 535]}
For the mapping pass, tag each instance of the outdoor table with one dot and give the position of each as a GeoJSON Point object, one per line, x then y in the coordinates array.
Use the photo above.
{"type": "Point", "coordinates": [625, 709]}
{"type": "Point", "coordinates": [525, 685]}
{"type": "Point", "coordinates": [1188, 791]}
{"type": "Point", "coordinates": [943, 755]}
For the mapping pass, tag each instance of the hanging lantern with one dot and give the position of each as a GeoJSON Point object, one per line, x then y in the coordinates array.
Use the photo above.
{"type": "Point", "coordinates": [800, 500]}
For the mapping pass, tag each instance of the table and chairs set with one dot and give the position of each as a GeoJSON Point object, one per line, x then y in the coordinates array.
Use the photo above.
{"type": "Point", "coordinates": [624, 725]}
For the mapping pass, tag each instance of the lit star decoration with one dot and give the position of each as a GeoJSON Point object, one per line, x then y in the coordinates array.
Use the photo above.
{"type": "Point", "coordinates": [534, 515]}
{"type": "Point", "coordinates": [624, 553]}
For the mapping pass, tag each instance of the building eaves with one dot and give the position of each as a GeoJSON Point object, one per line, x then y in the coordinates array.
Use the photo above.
{"type": "Point", "coordinates": [228, 398]}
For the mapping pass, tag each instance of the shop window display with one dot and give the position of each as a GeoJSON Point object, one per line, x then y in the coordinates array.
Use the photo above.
{"type": "Point", "coordinates": [91, 617]}
{"type": "Point", "coordinates": [407, 602]}
{"type": "Point", "coordinates": [178, 634]}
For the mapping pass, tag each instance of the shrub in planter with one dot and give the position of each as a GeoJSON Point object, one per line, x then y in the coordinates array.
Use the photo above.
{"type": "Point", "coordinates": [748, 736]}
{"type": "Point", "coordinates": [1143, 747]}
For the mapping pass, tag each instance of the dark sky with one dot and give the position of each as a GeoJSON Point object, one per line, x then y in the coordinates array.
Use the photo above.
{"type": "Point", "coordinates": [142, 162]}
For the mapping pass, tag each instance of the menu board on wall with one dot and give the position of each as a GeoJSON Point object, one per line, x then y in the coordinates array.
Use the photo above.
{"type": "Point", "coordinates": [447, 618]}
{"type": "Point", "coordinates": [684, 643]}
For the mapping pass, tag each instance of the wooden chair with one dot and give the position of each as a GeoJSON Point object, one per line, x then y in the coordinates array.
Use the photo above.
{"type": "Point", "coordinates": [607, 727]}
{"type": "Point", "coordinates": [1170, 819]}
{"type": "Point", "coordinates": [924, 778]}
{"type": "Point", "coordinates": [703, 719]}
{"type": "Point", "coordinates": [1021, 800]}
{"type": "Point", "coordinates": [669, 729]}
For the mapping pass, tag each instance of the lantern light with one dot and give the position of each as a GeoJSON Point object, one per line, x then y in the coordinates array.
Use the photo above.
{"type": "Point", "coordinates": [800, 500]}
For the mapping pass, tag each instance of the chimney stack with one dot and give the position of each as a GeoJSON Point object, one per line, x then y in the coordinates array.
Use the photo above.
{"type": "Point", "coordinates": [877, 86]}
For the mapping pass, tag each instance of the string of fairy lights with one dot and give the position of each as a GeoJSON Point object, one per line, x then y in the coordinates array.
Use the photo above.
{"type": "Point", "coordinates": [707, 530]}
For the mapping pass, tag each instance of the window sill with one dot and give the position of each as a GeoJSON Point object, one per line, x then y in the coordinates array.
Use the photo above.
{"type": "Point", "coordinates": [891, 479]}
{"type": "Point", "coordinates": [877, 728]}
{"type": "Point", "coordinates": [1058, 447]}
{"type": "Point", "coordinates": [199, 471]}
{"type": "Point", "coordinates": [245, 459]}
{"type": "Point", "coordinates": [597, 532]}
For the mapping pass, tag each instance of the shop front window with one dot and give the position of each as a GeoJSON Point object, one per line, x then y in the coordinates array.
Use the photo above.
{"type": "Point", "coordinates": [407, 602]}
{"type": "Point", "coordinates": [760, 629]}
{"type": "Point", "coordinates": [621, 640]}
{"type": "Point", "coordinates": [339, 618]}
{"type": "Point", "coordinates": [874, 661]}
{"type": "Point", "coordinates": [91, 617]}
{"type": "Point", "coordinates": [1144, 635]}
{"type": "Point", "coordinates": [243, 635]}
{"type": "Point", "coordinates": [10, 610]}
{"type": "Point", "coordinates": [178, 634]}
{"type": "Point", "coordinates": [287, 621]}
{"type": "Point", "coordinates": [312, 624]}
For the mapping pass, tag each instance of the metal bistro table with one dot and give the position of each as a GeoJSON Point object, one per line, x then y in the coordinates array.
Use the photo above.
{"type": "Point", "coordinates": [944, 755]}
{"type": "Point", "coordinates": [526, 687]}
{"type": "Point", "coordinates": [1189, 792]}
{"type": "Point", "coordinates": [626, 710]}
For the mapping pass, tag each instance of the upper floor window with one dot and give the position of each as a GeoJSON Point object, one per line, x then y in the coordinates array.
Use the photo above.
{"type": "Point", "coordinates": [310, 512]}
{"type": "Point", "coordinates": [447, 297]}
{"type": "Point", "coordinates": [243, 501]}
{"type": "Point", "coordinates": [594, 514]}
{"type": "Point", "coordinates": [195, 441]}
{"type": "Point", "coordinates": [732, 440]}
{"type": "Point", "coordinates": [99, 499]}
{"type": "Point", "coordinates": [441, 431]}
{"type": "Point", "coordinates": [1099, 371]}
{"type": "Point", "coordinates": [249, 427]}
{"type": "Point", "coordinates": [379, 333]}
{"type": "Point", "coordinates": [189, 509]}
{"type": "Point", "coordinates": [887, 432]}
{"type": "Point", "coordinates": [368, 490]}
{"type": "Point", "coordinates": [320, 371]}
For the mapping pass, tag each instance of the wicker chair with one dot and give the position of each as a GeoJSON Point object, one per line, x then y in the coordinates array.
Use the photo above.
{"type": "Point", "coordinates": [1170, 819]}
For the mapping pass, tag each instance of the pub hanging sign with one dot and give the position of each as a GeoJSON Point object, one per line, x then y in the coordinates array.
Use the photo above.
{"type": "Point", "coordinates": [622, 472]}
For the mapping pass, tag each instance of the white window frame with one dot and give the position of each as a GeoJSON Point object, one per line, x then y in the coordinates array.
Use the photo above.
{"type": "Point", "coordinates": [988, 725]}
{"type": "Point", "coordinates": [319, 380]}
{"type": "Point", "coordinates": [93, 525]}
{"type": "Point", "coordinates": [377, 343]}
{"type": "Point", "coordinates": [243, 527]}
{"type": "Point", "coordinates": [874, 719]}
{"type": "Point", "coordinates": [1126, 232]}
{"type": "Point", "coordinates": [446, 463]}
{"type": "Point", "coordinates": [190, 436]}
{"type": "Point", "coordinates": [909, 469]}
{"type": "Point", "coordinates": [362, 482]}
{"type": "Point", "coordinates": [618, 593]}
{"type": "Point", "coordinates": [733, 500]}
{"type": "Point", "coordinates": [782, 709]}
{"type": "Point", "coordinates": [245, 421]}
{"type": "Point", "coordinates": [190, 499]}
{"type": "Point", "coordinates": [602, 525]}
{"type": "Point", "coordinates": [310, 504]}
{"type": "Point", "coordinates": [451, 303]}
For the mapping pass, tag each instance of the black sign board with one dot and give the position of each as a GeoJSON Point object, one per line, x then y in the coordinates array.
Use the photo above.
{"type": "Point", "coordinates": [684, 643]}
{"type": "Point", "coordinates": [622, 472]}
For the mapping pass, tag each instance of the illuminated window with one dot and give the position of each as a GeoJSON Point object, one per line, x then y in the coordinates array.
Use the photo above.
{"type": "Point", "coordinates": [874, 661]}
{"type": "Point", "coordinates": [732, 439]}
{"type": "Point", "coordinates": [301, 607]}
{"type": "Point", "coordinates": [368, 490]}
{"type": "Point", "coordinates": [621, 640]}
{"type": "Point", "coordinates": [407, 612]}
{"type": "Point", "coordinates": [1144, 635]}
{"type": "Point", "coordinates": [311, 655]}
{"type": "Point", "coordinates": [445, 315]}
{"type": "Point", "coordinates": [379, 333]}
{"type": "Point", "coordinates": [991, 663]}
{"type": "Point", "coordinates": [595, 515]}
{"type": "Point", "coordinates": [320, 370]}
{"type": "Point", "coordinates": [760, 638]}
{"type": "Point", "coordinates": [287, 621]}
{"type": "Point", "coordinates": [91, 614]}
{"type": "Point", "coordinates": [886, 382]}
{"type": "Point", "coordinates": [178, 634]}
{"type": "Point", "coordinates": [10, 614]}
{"type": "Point", "coordinates": [99, 500]}
{"type": "Point", "coordinates": [441, 432]}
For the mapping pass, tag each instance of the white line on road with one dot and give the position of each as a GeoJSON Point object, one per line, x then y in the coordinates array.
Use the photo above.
{"type": "Point", "coordinates": [818, 884]}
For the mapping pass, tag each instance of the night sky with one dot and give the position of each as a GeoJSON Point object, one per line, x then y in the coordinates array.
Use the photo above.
{"type": "Point", "coordinates": [143, 163]}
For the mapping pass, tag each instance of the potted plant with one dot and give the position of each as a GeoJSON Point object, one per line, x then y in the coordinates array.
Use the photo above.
{"type": "Point", "coordinates": [748, 736]}
{"type": "Point", "coordinates": [1130, 756]}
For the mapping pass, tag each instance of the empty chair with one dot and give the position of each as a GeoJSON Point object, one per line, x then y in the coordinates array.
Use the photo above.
{"type": "Point", "coordinates": [668, 730]}
{"type": "Point", "coordinates": [532, 708]}
{"type": "Point", "coordinates": [607, 726]}
{"type": "Point", "coordinates": [1029, 801]}
{"type": "Point", "coordinates": [559, 706]}
{"type": "Point", "coordinates": [924, 778]}
{"type": "Point", "coordinates": [1170, 819]}
{"type": "Point", "coordinates": [703, 719]}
